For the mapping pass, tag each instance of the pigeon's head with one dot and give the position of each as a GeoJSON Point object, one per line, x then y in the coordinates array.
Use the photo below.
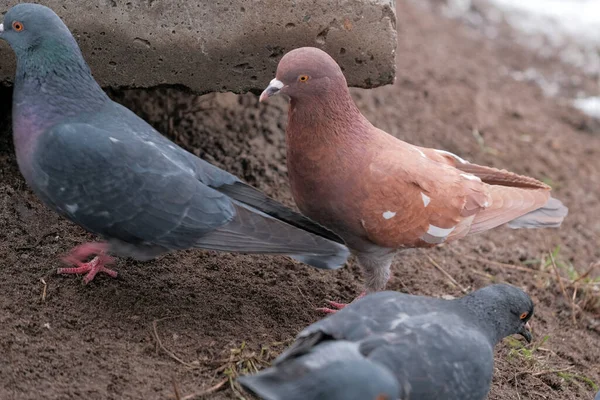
{"type": "Point", "coordinates": [32, 27]}
{"type": "Point", "coordinates": [306, 72]}
{"type": "Point", "coordinates": [504, 308]}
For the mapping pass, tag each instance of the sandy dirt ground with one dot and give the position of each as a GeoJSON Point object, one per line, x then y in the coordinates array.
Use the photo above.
{"type": "Point", "coordinates": [188, 321]}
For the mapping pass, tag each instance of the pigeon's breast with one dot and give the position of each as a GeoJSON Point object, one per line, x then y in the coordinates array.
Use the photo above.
{"type": "Point", "coordinates": [27, 129]}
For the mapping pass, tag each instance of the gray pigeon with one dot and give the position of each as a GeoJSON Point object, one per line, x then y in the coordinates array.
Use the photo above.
{"type": "Point", "coordinates": [101, 166]}
{"type": "Point", "coordinates": [436, 349]}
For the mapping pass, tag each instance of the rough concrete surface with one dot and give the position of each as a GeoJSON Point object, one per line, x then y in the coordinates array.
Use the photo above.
{"type": "Point", "coordinates": [222, 45]}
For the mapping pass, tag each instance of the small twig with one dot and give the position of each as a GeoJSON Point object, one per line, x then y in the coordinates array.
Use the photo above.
{"type": "Point", "coordinates": [586, 273]}
{"type": "Point", "coordinates": [538, 394]}
{"type": "Point", "coordinates": [552, 371]}
{"type": "Point", "coordinates": [482, 274]}
{"type": "Point", "coordinates": [304, 297]}
{"type": "Point", "coordinates": [160, 344]}
{"type": "Point", "coordinates": [210, 390]}
{"type": "Point", "coordinates": [462, 289]}
{"type": "Point", "coordinates": [499, 264]}
{"type": "Point", "coordinates": [176, 390]}
{"type": "Point", "coordinates": [544, 372]}
{"type": "Point", "coordinates": [562, 288]}
{"type": "Point", "coordinates": [44, 289]}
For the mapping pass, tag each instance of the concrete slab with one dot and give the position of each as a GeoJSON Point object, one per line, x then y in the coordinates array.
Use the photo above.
{"type": "Point", "coordinates": [222, 45]}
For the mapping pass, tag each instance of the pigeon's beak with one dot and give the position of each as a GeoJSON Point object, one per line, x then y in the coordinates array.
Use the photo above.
{"type": "Point", "coordinates": [526, 332]}
{"type": "Point", "coordinates": [274, 87]}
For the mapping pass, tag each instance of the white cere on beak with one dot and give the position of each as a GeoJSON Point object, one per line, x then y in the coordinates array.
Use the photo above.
{"type": "Point", "coordinates": [274, 87]}
{"type": "Point", "coordinates": [275, 83]}
{"type": "Point", "coordinates": [1, 28]}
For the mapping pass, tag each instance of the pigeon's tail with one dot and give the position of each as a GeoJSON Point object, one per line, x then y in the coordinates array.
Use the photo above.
{"type": "Point", "coordinates": [551, 215]}
{"type": "Point", "coordinates": [519, 208]}
{"type": "Point", "coordinates": [252, 231]}
{"type": "Point", "coordinates": [339, 380]}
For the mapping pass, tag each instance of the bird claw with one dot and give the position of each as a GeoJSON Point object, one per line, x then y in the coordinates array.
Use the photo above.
{"type": "Point", "coordinates": [91, 268]}
{"type": "Point", "coordinates": [335, 306]}
{"type": "Point", "coordinates": [327, 310]}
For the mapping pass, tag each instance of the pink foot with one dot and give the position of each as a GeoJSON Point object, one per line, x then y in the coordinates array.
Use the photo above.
{"type": "Point", "coordinates": [97, 264]}
{"type": "Point", "coordinates": [337, 306]}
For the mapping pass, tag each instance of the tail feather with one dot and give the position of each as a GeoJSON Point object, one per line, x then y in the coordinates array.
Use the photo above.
{"type": "Point", "coordinates": [508, 204]}
{"type": "Point", "coordinates": [256, 199]}
{"type": "Point", "coordinates": [252, 231]}
{"type": "Point", "coordinates": [551, 215]}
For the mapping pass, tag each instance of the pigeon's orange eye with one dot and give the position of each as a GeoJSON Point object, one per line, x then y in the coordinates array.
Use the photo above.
{"type": "Point", "coordinates": [17, 26]}
{"type": "Point", "coordinates": [303, 78]}
{"type": "Point", "coordinates": [524, 315]}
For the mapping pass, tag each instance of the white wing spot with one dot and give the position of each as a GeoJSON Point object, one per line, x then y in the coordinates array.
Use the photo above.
{"type": "Point", "coordinates": [178, 163]}
{"type": "Point", "coordinates": [457, 158]}
{"type": "Point", "coordinates": [389, 214]}
{"type": "Point", "coordinates": [112, 139]}
{"type": "Point", "coordinates": [172, 147]}
{"type": "Point", "coordinates": [426, 199]}
{"type": "Point", "coordinates": [439, 232]}
{"type": "Point", "coordinates": [421, 153]}
{"type": "Point", "coordinates": [72, 208]}
{"type": "Point", "coordinates": [399, 319]}
{"type": "Point", "coordinates": [151, 143]}
{"type": "Point", "coordinates": [471, 177]}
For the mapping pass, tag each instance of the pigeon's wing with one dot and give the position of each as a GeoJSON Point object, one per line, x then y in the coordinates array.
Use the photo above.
{"type": "Point", "coordinates": [413, 200]}
{"type": "Point", "coordinates": [333, 371]}
{"type": "Point", "coordinates": [122, 187]}
{"type": "Point", "coordinates": [255, 198]}
{"type": "Point", "coordinates": [135, 186]}
{"type": "Point", "coordinates": [509, 192]}
{"type": "Point", "coordinates": [213, 176]}
{"type": "Point", "coordinates": [436, 356]}
{"type": "Point", "coordinates": [371, 316]}
{"type": "Point", "coordinates": [489, 175]}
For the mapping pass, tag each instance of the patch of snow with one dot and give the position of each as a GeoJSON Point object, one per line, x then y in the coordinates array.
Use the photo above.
{"type": "Point", "coordinates": [589, 106]}
{"type": "Point", "coordinates": [569, 26]}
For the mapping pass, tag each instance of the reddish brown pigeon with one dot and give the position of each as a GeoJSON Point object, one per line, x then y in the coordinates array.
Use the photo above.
{"type": "Point", "coordinates": [381, 194]}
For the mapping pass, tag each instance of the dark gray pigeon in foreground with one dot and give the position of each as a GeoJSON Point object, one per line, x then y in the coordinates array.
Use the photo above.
{"type": "Point", "coordinates": [436, 349]}
{"type": "Point", "coordinates": [98, 164]}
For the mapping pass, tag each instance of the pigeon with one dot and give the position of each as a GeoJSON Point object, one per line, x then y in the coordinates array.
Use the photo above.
{"type": "Point", "coordinates": [98, 164]}
{"type": "Point", "coordinates": [380, 194]}
{"type": "Point", "coordinates": [436, 349]}
{"type": "Point", "coordinates": [347, 376]}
